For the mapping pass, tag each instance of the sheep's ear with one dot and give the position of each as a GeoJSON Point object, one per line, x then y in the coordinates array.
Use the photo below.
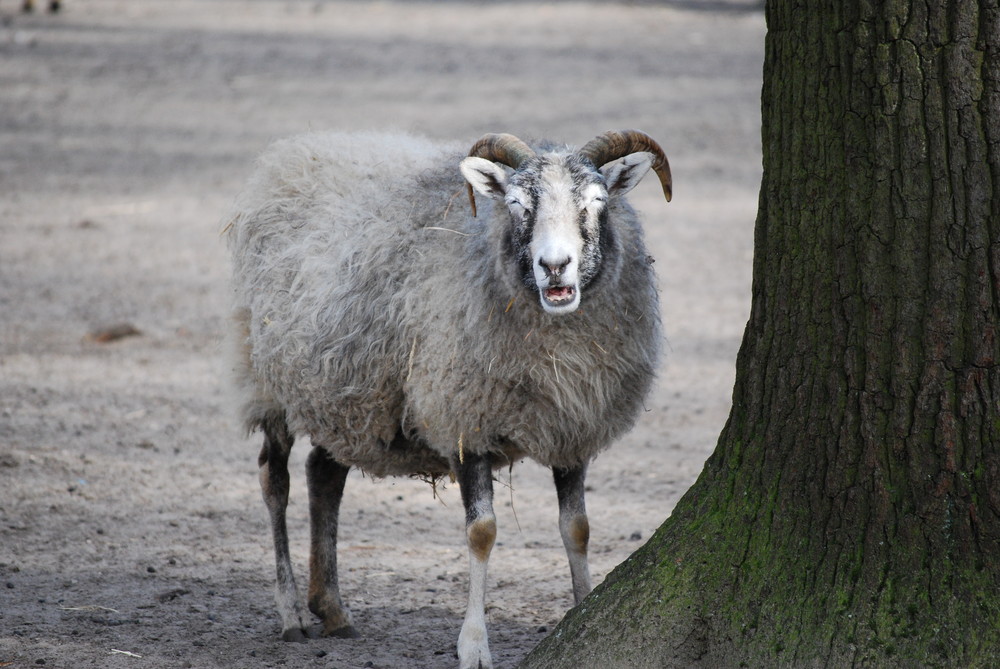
{"type": "Point", "coordinates": [485, 176]}
{"type": "Point", "coordinates": [623, 174]}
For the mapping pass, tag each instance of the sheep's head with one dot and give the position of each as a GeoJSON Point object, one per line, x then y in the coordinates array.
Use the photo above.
{"type": "Point", "coordinates": [558, 204]}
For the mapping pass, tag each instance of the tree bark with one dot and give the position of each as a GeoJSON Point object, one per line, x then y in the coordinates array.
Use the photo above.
{"type": "Point", "coordinates": [850, 515]}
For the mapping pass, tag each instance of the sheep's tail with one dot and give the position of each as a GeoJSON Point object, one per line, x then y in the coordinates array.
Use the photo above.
{"type": "Point", "coordinates": [254, 406]}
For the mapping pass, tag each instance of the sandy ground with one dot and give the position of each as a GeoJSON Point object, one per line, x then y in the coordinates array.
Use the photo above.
{"type": "Point", "coordinates": [130, 516]}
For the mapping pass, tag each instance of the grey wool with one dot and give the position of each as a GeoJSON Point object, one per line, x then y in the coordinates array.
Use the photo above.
{"type": "Point", "coordinates": [395, 328]}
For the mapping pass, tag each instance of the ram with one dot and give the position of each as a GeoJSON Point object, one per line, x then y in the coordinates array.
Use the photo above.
{"type": "Point", "coordinates": [405, 334]}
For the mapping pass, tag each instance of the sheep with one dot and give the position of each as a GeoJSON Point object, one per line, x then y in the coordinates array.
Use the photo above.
{"type": "Point", "coordinates": [404, 336]}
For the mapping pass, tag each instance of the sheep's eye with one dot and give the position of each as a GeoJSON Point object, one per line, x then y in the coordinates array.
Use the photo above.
{"type": "Point", "coordinates": [596, 202]}
{"type": "Point", "coordinates": [516, 205]}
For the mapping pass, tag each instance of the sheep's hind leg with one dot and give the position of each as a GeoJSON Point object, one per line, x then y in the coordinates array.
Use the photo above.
{"type": "Point", "coordinates": [326, 479]}
{"type": "Point", "coordinates": [574, 526]}
{"type": "Point", "coordinates": [274, 483]}
{"type": "Point", "coordinates": [475, 480]}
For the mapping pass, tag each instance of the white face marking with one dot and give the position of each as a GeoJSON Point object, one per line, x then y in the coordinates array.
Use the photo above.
{"type": "Point", "coordinates": [557, 207]}
{"type": "Point", "coordinates": [557, 243]}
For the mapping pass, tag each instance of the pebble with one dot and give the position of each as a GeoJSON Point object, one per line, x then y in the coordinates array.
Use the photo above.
{"type": "Point", "coordinates": [107, 334]}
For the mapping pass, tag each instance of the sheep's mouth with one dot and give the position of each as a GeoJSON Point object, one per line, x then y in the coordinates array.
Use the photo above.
{"type": "Point", "coordinates": [559, 296]}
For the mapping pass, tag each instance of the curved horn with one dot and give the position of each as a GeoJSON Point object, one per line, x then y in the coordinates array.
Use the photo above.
{"type": "Point", "coordinates": [500, 148]}
{"type": "Point", "coordinates": [616, 144]}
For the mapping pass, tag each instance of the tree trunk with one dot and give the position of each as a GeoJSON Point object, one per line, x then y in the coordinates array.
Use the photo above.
{"type": "Point", "coordinates": [850, 515]}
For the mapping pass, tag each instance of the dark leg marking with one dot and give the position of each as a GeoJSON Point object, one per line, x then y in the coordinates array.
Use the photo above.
{"type": "Point", "coordinates": [274, 485]}
{"type": "Point", "coordinates": [574, 526]}
{"type": "Point", "coordinates": [326, 478]}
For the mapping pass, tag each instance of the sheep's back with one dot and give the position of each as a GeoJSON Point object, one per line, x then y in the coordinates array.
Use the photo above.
{"type": "Point", "coordinates": [320, 239]}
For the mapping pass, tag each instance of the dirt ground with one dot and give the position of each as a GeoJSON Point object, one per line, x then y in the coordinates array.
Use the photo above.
{"type": "Point", "coordinates": [132, 533]}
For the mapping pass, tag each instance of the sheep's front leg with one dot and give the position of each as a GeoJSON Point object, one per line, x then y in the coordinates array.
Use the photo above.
{"type": "Point", "coordinates": [475, 480]}
{"type": "Point", "coordinates": [274, 482]}
{"type": "Point", "coordinates": [574, 526]}
{"type": "Point", "coordinates": [326, 479]}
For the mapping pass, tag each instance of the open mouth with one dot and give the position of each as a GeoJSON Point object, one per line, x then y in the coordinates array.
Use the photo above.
{"type": "Point", "coordinates": [558, 296]}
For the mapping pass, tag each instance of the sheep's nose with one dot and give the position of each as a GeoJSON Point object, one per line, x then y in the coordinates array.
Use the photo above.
{"type": "Point", "coordinates": [553, 269]}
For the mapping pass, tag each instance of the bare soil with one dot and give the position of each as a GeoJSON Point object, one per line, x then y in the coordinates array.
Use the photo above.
{"type": "Point", "coordinates": [131, 528]}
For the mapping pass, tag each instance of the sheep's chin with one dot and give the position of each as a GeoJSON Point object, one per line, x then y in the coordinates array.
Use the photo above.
{"type": "Point", "coordinates": [563, 300]}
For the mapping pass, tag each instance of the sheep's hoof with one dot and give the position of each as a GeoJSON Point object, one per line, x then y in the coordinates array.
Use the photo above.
{"type": "Point", "coordinates": [294, 635]}
{"type": "Point", "coordinates": [345, 632]}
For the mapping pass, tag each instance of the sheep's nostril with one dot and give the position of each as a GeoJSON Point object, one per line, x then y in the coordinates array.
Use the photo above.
{"type": "Point", "coordinates": [553, 269]}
